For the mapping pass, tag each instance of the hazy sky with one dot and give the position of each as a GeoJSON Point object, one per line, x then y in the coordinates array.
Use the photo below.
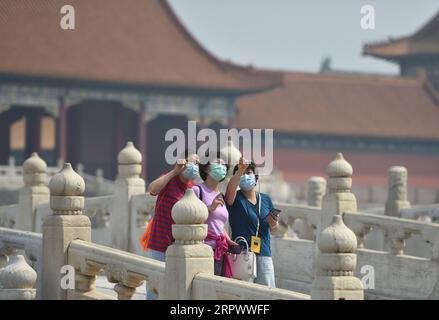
{"type": "Point", "coordinates": [297, 34]}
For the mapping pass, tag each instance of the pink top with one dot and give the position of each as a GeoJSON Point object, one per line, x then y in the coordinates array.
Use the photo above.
{"type": "Point", "coordinates": [216, 220]}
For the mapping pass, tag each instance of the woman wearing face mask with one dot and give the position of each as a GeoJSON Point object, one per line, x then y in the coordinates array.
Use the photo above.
{"type": "Point", "coordinates": [212, 174]}
{"type": "Point", "coordinates": [169, 188]}
{"type": "Point", "coordinates": [249, 217]}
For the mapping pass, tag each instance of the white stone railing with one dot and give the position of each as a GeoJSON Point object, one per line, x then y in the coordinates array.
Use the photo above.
{"type": "Point", "coordinates": [211, 287]}
{"type": "Point", "coordinates": [128, 271]}
{"type": "Point", "coordinates": [398, 273]}
{"type": "Point", "coordinates": [8, 214]}
{"type": "Point", "coordinates": [11, 178]}
{"type": "Point", "coordinates": [401, 253]}
{"type": "Point", "coordinates": [30, 242]}
{"type": "Point", "coordinates": [68, 239]}
{"type": "Point", "coordinates": [424, 212]}
{"type": "Point", "coordinates": [20, 258]}
{"type": "Point", "coordinates": [396, 230]}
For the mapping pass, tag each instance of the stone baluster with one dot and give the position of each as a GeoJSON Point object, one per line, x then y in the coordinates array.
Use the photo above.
{"type": "Point", "coordinates": [99, 181]}
{"type": "Point", "coordinates": [336, 261]}
{"type": "Point", "coordinates": [395, 240]}
{"type": "Point", "coordinates": [339, 198]}
{"type": "Point", "coordinates": [80, 169]}
{"type": "Point", "coordinates": [127, 184]}
{"type": "Point", "coordinates": [62, 227]}
{"type": "Point", "coordinates": [11, 168]}
{"type": "Point", "coordinates": [85, 281]}
{"type": "Point", "coordinates": [17, 278]}
{"type": "Point", "coordinates": [126, 282]}
{"type": "Point", "coordinates": [99, 175]}
{"type": "Point", "coordinates": [188, 255]}
{"type": "Point", "coordinates": [285, 228]}
{"type": "Point", "coordinates": [59, 163]}
{"type": "Point", "coordinates": [360, 230]}
{"type": "Point", "coordinates": [397, 192]}
{"type": "Point", "coordinates": [316, 191]}
{"type": "Point", "coordinates": [33, 193]}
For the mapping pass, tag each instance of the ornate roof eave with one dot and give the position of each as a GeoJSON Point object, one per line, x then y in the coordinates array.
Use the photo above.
{"type": "Point", "coordinates": [165, 88]}
{"type": "Point", "coordinates": [425, 41]}
{"type": "Point", "coordinates": [401, 48]}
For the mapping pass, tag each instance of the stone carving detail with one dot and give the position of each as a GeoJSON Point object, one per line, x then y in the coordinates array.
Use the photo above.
{"type": "Point", "coordinates": [189, 213]}
{"type": "Point", "coordinates": [360, 230]}
{"type": "Point", "coordinates": [397, 192]}
{"type": "Point", "coordinates": [316, 190]}
{"type": "Point", "coordinates": [396, 240]}
{"type": "Point", "coordinates": [336, 264]}
{"type": "Point", "coordinates": [17, 278]}
{"type": "Point", "coordinates": [337, 238]}
{"type": "Point", "coordinates": [66, 189]}
{"type": "Point", "coordinates": [336, 257]}
{"type": "Point", "coordinates": [34, 171]}
{"type": "Point", "coordinates": [129, 162]}
{"type": "Point", "coordinates": [126, 282]}
{"type": "Point", "coordinates": [340, 175]}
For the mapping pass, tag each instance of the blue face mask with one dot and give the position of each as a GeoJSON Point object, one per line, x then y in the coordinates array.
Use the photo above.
{"type": "Point", "coordinates": [191, 171]}
{"type": "Point", "coordinates": [247, 182]}
{"type": "Point", "coordinates": [218, 171]}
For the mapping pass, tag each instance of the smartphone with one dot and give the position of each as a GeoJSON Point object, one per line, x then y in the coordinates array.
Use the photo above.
{"type": "Point", "coordinates": [235, 249]}
{"type": "Point", "coordinates": [275, 212]}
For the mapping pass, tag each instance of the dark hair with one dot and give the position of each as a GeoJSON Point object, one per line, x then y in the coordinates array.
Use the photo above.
{"type": "Point", "coordinates": [186, 154]}
{"type": "Point", "coordinates": [251, 166]}
{"type": "Point", "coordinates": [204, 168]}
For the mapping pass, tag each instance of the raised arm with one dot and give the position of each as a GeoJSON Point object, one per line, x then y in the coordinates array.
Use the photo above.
{"type": "Point", "coordinates": [234, 182]}
{"type": "Point", "coordinates": [158, 184]}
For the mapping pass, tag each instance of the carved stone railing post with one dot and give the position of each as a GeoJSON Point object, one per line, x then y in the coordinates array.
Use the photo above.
{"type": "Point", "coordinates": [188, 255]}
{"type": "Point", "coordinates": [11, 168]}
{"type": "Point", "coordinates": [127, 184]}
{"type": "Point", "coordinates": [316, 191]}
{"type": "Point", "coordinates": [17, 278]}
{"type": "Point", "coordinates": [80, 169]}
{"type": "Point", "coordinates": [33, 193]}
{"type": "Point", "coordinates": [336, 261]}
{"type": "Point", "coordinates": [335, 257]}
{"type": "Point", "coordinates": [339, 197]}
{"type": "Point", "coordinates": [59, 229]}
{"type": "Point", "coordinates": [397, 193]}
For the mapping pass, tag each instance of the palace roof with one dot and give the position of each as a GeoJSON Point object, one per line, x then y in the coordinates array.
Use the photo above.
{"type": "Point", "coordinates": [129, 42]}
{"type": "Point", "coordinates": [423, 42]}
{"type": "Point", "coordinates": [345, 105]}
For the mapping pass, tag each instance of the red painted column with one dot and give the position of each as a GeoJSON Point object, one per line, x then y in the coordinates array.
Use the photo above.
{"type": "Point", "coordinates": [5, 138]}
{"type": "Point", "coordinates": [141, 139]}
{"type": "Point", "coordinates": [62, 131]}
{"type": "Point", "coordinates": [118, 134]}
{"type": "Point", "coordinates": [33, 131]}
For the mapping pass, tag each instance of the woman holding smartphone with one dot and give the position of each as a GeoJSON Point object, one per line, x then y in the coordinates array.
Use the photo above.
{"type": "Point", "coordinates": [252, 216]}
